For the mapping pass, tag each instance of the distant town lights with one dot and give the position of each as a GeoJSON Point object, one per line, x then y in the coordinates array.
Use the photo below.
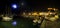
{"type": "Point", "coordinates": [7, 18]}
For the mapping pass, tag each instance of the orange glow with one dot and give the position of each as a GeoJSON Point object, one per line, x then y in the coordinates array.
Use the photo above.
{"type": "Point", "coordinates": [50, 8]}
{"type": "Point", "coordinates": [43, 13]}
{"type": "Point", "coordinates": [55, 9]}
{"type": "Point", "coordinates": [23, 13]}
{"type": "Point", "coordinates": [29, 13]}
{"type": "Point", "coordinates": [56, 16]}
{"type": "Point", "coordinates": [35, 13]}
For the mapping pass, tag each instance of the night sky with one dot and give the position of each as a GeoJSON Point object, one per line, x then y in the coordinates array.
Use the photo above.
{"type": "Point", "coordinates": [31, 3]}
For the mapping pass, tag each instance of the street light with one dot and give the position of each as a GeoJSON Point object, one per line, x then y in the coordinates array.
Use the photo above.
{"type": "Point", "coordinates": [14, 6]}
